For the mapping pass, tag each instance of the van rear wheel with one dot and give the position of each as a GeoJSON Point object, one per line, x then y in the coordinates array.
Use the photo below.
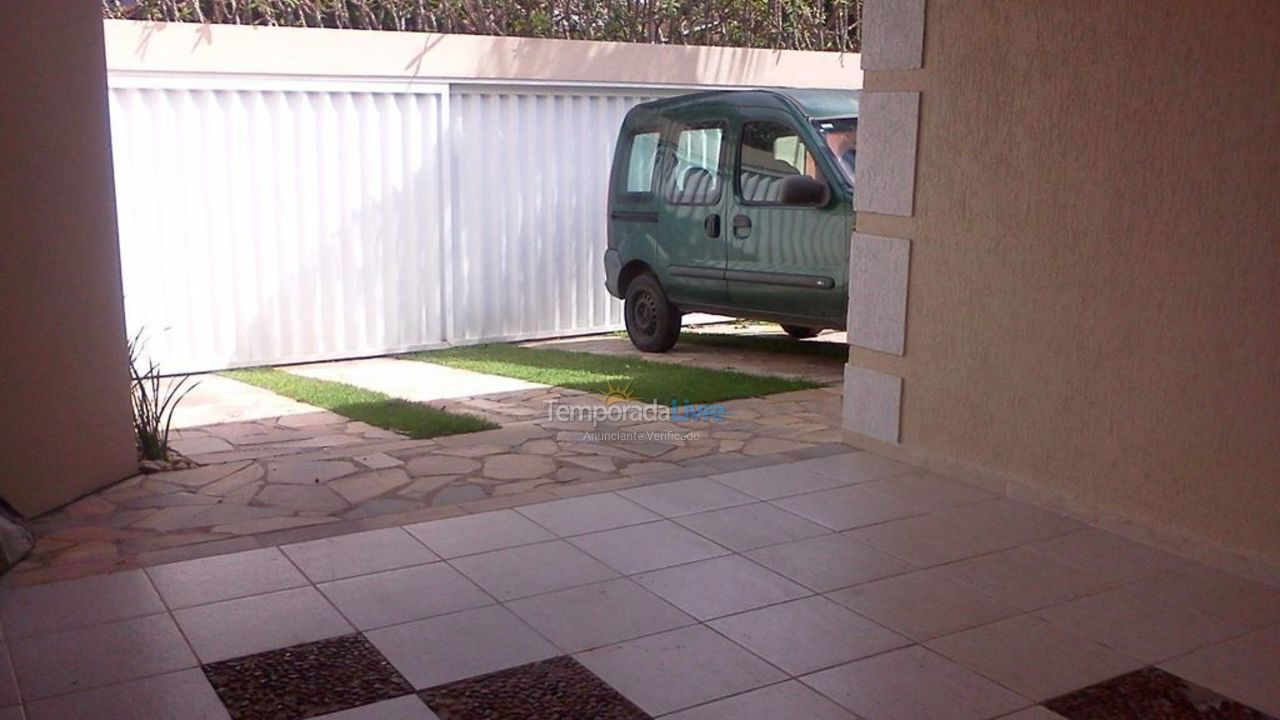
{"type": "Point", "coordinates": [800, 333]}
{"type": "Point", "coordinates": [653, 323]}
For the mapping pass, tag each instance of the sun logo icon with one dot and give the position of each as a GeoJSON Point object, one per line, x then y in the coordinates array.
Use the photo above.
{"type": "Point", "coordinates": [620, 393]}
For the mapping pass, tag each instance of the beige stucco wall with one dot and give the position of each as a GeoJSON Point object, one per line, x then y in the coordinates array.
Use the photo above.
{"type": "Point", "coordinates": [64, 402]}
{"type": "Point", "coordinates": [182, 47]}
{"type": "Point", "coordinates": [1093, 311]}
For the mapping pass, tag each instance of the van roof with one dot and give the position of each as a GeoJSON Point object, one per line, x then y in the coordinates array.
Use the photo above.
{"type": "Point", "coordinates": [811, 102]}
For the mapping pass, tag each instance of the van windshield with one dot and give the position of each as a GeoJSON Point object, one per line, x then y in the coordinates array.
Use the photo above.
{"type": "Point", "coordinates": [841, 135]}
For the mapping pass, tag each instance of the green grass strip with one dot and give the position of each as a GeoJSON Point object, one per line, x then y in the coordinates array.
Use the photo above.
{"type": "Point", "coordinates": [646, 381]}
{"type": "Point", "coordinates": [417, 420]}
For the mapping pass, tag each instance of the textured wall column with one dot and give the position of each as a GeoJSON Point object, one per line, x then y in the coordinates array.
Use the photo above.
{"type": "Point", "coordinates": [879, 263]}
{"type": "Point", "coordinates": [63, 379]}
{"type": "Point", "coordinates": [1091, 321]}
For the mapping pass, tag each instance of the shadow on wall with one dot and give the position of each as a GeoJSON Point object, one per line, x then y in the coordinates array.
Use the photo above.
{"type": "Point", "coordinates": [676, 64]}
{"type": "Point", "coordinates": [468, 57]}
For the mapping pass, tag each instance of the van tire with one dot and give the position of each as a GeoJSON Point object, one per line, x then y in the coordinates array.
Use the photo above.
{"type": "Point", "coordinates": [653, 323]}
{"type": "Point", "coordinates": [801, 333]}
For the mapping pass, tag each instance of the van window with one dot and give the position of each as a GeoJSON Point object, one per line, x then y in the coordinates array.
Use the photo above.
{"type": "Point", "coordinates": [695, 174]}
{"type": "Point", "coordinates": [841, 135]}
{"type": "Point", "coordinates": [642, 158]}
{"type": "Point", "coordinates": [769, 153]}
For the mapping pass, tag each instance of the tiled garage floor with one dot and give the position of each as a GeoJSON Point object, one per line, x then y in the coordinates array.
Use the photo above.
{"type": "Point", "coordinates": [843, 587]}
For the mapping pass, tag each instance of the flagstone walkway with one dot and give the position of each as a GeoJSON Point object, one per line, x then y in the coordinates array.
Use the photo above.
{"type": "Point", "coordinates": [282, 471]}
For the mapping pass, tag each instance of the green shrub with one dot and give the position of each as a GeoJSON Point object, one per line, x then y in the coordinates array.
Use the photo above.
{"type": "Point", "coordinates": [155, 397]}
{"type": "Point", "coordinates": [790, 24]}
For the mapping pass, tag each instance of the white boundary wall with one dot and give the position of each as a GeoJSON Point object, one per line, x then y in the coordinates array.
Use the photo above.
{"type": "Point", "coordinates": [423, 190]}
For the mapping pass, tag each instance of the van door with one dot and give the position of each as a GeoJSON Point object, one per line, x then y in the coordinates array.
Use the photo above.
{"type": "Point", "coordinates": [785, 259]}
{"type": "Point", "coordinates": [692, 197]}
{"type": "Point", "coordinates": [633, 207]}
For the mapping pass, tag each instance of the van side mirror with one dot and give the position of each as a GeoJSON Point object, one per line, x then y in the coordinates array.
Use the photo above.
{"type": "Point", "coordinates": [803, 190]}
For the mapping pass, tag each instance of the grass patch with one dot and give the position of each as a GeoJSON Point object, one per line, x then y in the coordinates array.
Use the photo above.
{"type": "Point", "coordinates": [768, 343]}
{"type": "Point", "coordinates": [647, 381]}
{"type": "Point", "coordinates": [417, 420]}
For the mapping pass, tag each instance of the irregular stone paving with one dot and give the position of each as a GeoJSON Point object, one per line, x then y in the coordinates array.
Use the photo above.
{"type": "Point", "coordinates": [271, 480]}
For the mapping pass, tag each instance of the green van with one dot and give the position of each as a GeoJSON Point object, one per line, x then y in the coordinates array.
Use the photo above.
{"type": "Point", "coordinates": [736, 203]}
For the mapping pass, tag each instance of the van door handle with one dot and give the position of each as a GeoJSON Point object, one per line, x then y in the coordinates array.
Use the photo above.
{"type": "Point", "coordinates": [741, 226]}
{"type": "Point", "coordinates": [712, 225]}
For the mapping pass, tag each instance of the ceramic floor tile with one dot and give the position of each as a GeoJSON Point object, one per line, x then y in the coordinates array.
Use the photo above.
{"type": "Point", "coordinates": [399, 596]}
{"type": "Point", "coordinates": [408, 707]}
{"type": "Point", "coordinates": [589, 513]}
{"type": "Point", "coordinates": [1024, 579]}
{"type": "Point", "coordinates": [246, 626]}
{"type": "Point", "coordinates": [747, 527]}
{"type": "Point", "coordinates": [846, 508]}
{"type": "Point", "coordinates": [777, 481]}
{"type": "Point", "coordinates": [678, 669]}
{"type": "Point", "coordinates": [913, 684]}
{"type": "Point", "coordinates": [1246, 668]}
{"type": "Point", "coordinates": [1016, 518]}
{"type": "Point", "coordinates": [923, 605]}
{"type": "Point", "coordinates": [225, 577]}
{"type": "Point", "coordinates": [1036, 712]}
{"type": "Point", "coordinates": [829, 562]}
{"type": "Point", "coordinates": [447, 648]}
{"type": "Point", "coordinates": [1104, 553]}
{"type": "Point", "coordinates": [1033, 657]}
{"type": "Point", "coordinates": [934, 539]}
{"type": "Point", "coordinates": [1149, 693]}
{"type": "Point", "coordinates": [532, 569]}
{"type": "Point", "coordinates": [484, 532]}
{"type": "Point", "coordinates": [720, 586]}
{"type": "Point", "coordinates": [306, 680]}
{"type": "Point", "coordinates": [929, 492]}
{"type": "Point", "coordinates": [1139, 624]}
{"type": "Point", "coordinates": [185, 694]}
{"type": "Point", "coordinates": [785, 701]}
{"type": "Point", "coordinates": [60, 606]}
{"type": "Point", "coordinates": [639, 548]}
{"type": "Point", "coordinates": [806, 635]}
{"type": "Point", "coordinates": [686, 497]}
{"type": "Point", "coordinates": [595, 615]}
{"type": "Point", "coordinates": [856, 467]}
{"type": "Point", "coordinates": [8, 684]}
{"type": "Point", "coordinates": [358, 554]}
{"type": "Point", "coordinates": [1219, 593]}
{"type": "Point", "coordinates": [84, 658]}
{"type": "Point", "coordinates": [966, 531]}
{"type": "Point", "coordinates": [557, 688]}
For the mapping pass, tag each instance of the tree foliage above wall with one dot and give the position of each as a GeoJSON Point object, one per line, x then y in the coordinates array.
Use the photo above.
{"type": "Point", "coordinates": [792, 24]}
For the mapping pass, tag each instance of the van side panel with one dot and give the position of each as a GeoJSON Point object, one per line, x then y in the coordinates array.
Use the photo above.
{"type": "Point", "coordinates": [786, 259]}
{"type": "Point", "coordinates": [633, 211]}
{"type": "Point", "coordinates": [691, 197]}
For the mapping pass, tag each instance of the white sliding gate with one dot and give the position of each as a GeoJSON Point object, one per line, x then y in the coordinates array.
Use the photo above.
{"type": "Point", "coordinates": [531, 174]}
{"type": "Point", "coordinates": [271, 221]}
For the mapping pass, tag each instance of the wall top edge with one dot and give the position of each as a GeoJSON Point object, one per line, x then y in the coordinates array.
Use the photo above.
{"type": "Point", "coordinates": [153, 47]}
